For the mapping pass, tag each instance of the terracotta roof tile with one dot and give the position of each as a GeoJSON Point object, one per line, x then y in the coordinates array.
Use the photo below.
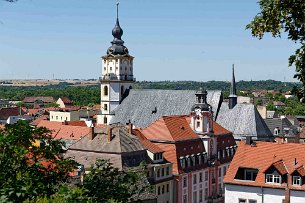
{"type": "Point", "coordinates": [146, 143]}
{"type": "Point", "coordinates": [39, 119]}
{"type": "Point", "coordinates": [66, 132]}
{"type": "Point", "coordinates": [285, 157]}
{"type": "Point", "coordinates": [66, 100]}
{"type": "Point", "coordinates": [75, 123]}
{"type": "Point", "coordinates": [170, 128]}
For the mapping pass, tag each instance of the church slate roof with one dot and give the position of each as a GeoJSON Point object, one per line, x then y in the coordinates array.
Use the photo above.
{"type": "Point", "coordinates": [243, 120]}
{"type": "Point", "coordinates": [144, 106]}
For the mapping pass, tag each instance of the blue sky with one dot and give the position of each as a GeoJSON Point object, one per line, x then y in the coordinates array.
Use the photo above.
{"type": "Point", "coordinates": [170, 40]}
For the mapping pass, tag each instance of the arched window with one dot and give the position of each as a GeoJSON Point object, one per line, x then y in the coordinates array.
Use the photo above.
{"type": "Point", "coordinates": [105, 107]}
{"type": "Point", "coordinates": [122, 90]}
{"type": "Point", "coordinates": [106, 90]}
{"type": "Point", "coordinates": [105, 120]}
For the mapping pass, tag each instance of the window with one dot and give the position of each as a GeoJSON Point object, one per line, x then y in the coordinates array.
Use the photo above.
{"type": "Point", "coordinates": [184, 182]}
{"type": "Point", "coordinates": [250, 174]}
{"type": "Point", "coordinates": [105, 120]}
{"type": "Point", "coordinates": [56, 117]}
{"type": "Point", "coordinates": [162, 171]}
{"type": "Point", "coordinates": [159, 190]}
{"type": "Point", "coordinates": [252, 201]}
{"type": "Point", "coordinates": [105, 107]}
{"type": "Point", "coordinates": [194, 179]}
{"type": "Point", "coordinates": [104, 68]}
{"type": "Point", "coordinates": [241, 200]}
{"type": "Point", "coordinates": [198, 124]}
{"type": "Point", "coordinates": [219, 172]}
{"type": "Point", "coordinates": [184, 198]}
{"type": "Point", "coordinates": [206, 194]}
{"type": "Point", "coordinates": [219, 188]}
{"type": "Point", "coordinates": [296, 180]}
{"type": "Point", "coordinates": [111, 68]}
{"type": "Point", "coordinates": [200, 195]}
{"type": "Point", "coordinates": [163, 189]}
{"type": "Point", "coordinates": [195, 197]}
{"type": "Point", "coordinates": [167, 170]}
{"type": "Point", "coordinates": [167, 188]}
{"type": "Point", "coordinates": [206, 176]}
{"type": "Point", "coordinates": [106, 91]}
{"type": "Point", "coordinates": [158, 173]}
{"type": "Point", "coordinates": [270, 178]}
{"type": "Point", "coordinates": [200, 177]}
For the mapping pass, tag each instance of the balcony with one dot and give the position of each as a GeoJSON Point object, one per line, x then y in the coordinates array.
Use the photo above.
{"type": "Point", "coordinates": [113, 77]}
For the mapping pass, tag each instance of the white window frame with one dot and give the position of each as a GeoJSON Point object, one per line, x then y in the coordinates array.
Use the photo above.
{"type": "Point", "coordinates": [296, 180]}
{"type": "Point", "coordinates": [273, 178]}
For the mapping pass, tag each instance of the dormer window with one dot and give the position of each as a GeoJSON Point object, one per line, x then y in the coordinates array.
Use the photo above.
{"type": "Point", "coordinates": [276, 131]}
{"type": "Point", "coordinates": [182, 162]}
{"type": "Point", "coordinates": [296, 180]}
{"type": "Point", "coordinates": [272, 178]}
{"type": "Point", "coordinates": [248, 174]}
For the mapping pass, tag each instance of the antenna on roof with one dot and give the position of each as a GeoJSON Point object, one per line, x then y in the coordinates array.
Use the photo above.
{"type": "Point", "coordinates": [117, 9]}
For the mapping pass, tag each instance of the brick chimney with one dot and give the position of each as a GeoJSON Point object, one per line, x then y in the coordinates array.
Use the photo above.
{"type": "Point", "coordinates": [130, 127]}
{"type": "Point", "coordinates": [109, 134]}
{"type": "Point", "coordinates": [91, 133]}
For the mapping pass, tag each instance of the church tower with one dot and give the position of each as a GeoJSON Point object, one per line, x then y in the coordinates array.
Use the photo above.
{"type": "Point", "coordinates": [117, 74]}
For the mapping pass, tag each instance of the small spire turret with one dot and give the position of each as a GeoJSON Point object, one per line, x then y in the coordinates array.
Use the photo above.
{"type": "Point", "coordinates": [232, 96]}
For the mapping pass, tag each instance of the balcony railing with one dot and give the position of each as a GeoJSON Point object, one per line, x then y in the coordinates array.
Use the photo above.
{"type": "Point", "coordinates": [117, 78]}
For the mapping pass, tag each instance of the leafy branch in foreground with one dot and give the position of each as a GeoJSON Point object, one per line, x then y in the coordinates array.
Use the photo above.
{"type": "Point", "coordinates": [284, 16]}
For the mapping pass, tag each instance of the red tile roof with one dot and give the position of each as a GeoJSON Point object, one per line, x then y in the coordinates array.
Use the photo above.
{"type": "Point", "coordinates": [181, 140]}
{"type": "Point", "coordinates": [170, 128]}
{"type": "Point", "coordinates": [75, 123]}
{"type": "Point", "coordinates": [285, 157]}
{"type": "Point", "coordinates": [10, 111]}
{"type": "Point", "coordinates": [66, 132]}
{"type": "Point", "coordinates": [219, 130]}
{"type": "Point", "coordinates": [301, 170]}
{"type": "Point", "coordinates": [146, 143]}
{"type": "Point", "coordinates": [66, 100]}
{"type": "Point", "coordinates": [40, 118]}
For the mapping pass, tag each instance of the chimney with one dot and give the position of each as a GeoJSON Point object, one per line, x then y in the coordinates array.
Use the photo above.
{"type": "Point", "coordinates": [91, 133]}
{"type": "Point", "coordinates": [109, 134]}
{"type": "Point", "coordinates": [248, 140]}
{"type": "Point", "coordinates": [129, 126]}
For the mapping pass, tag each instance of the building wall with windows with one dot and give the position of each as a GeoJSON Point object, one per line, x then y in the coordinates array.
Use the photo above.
{"type": "Point", "coordinates": [61, 116]}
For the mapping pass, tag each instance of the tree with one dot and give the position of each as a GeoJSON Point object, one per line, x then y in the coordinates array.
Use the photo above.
{"type": "Point", "coordinates": [284, 16]}
{"type": "Point", "coordinates": [105, 183]}
{"type": "Point", "coordinates": [28, 170]}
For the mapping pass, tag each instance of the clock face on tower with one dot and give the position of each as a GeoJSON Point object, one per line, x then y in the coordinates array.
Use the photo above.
{"type": "Point", "coordinates": [197, 111]}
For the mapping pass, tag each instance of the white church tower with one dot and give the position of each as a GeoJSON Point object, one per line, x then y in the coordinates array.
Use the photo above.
{"type": "Point", "coordinates": [117, 75]}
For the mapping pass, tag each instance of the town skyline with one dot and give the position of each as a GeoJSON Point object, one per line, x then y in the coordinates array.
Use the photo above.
{"type": "Point", "coordinates": [66, 46]}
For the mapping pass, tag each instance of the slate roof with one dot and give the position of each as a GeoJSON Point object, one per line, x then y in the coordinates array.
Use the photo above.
{"type": "Point", "coordinates": [243, 120]}
{"type": "Point", "coordinates": [286, 158]}
{"type": "Point", "coordinates": [281, 123]}
{"type": "Point", "coordinates": [143, 107]}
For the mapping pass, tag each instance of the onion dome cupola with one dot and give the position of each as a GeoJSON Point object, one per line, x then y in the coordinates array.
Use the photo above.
{"type": "Point", "coordinates": [117, 47]}
{"type": "Point", "coordinates": [201, 103]}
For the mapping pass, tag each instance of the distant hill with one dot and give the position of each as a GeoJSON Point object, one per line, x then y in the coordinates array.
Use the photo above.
{"type": "Point", "coordinates": [220, 85]}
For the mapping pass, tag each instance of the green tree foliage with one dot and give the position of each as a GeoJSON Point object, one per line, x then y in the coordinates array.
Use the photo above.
{"type": "Point", "coordinates": [259, 102]}
{"type": "Point", "coordinates": [284, 16]}
{"type": "Point", "coordinates": [28, 171]}
{"type": "Point", "coordinates": [105, 183]}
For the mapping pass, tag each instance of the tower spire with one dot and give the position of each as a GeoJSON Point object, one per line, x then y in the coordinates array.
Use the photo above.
{"type": "Point", "coordinates": [233, 84]}
{"type": "Point", "coordinates": [117, 10]}
{"type": "Point", "coordinates": [232, 96]}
